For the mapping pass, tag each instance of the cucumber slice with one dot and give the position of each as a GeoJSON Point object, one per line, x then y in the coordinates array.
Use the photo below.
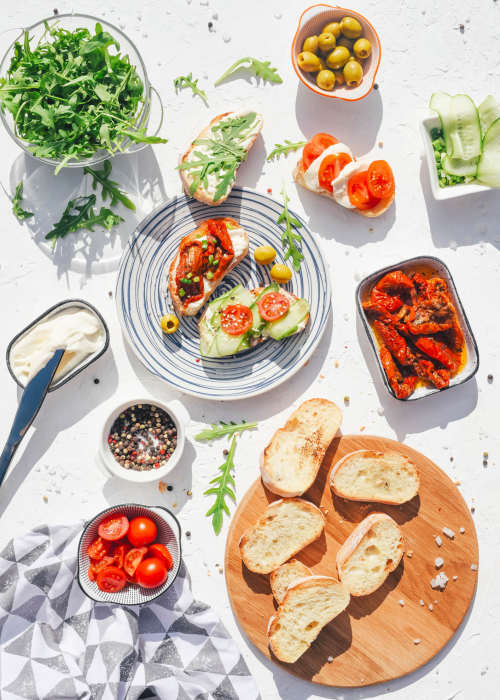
{"type": "Point", "coordinates": [489, 111]}
{"type": "Point", "coordinates": [289, 324]}
{"type": "Point", "coordinates": [441, 103]}
{"type": "Point", "coordinates": [456, 166]}
{"type": "Point", "coordinates": [230, 344]}
{"type": "Point", "coordinates": [258, 321]}
{"type": "Point", "coordinates": [488, 171]}
{"type": "Point", "coordinates": [466, 136]}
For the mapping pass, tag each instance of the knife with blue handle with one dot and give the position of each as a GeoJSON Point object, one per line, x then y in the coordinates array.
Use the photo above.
{"type": "Point", "coordinates": [31, 400]}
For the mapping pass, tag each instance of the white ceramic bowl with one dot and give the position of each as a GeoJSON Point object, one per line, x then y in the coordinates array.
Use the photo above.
{"type": "Point", "coordinates": [443, 192]}
{"type": "Point", "coordinates": [311, 21]}
{"type": "Point", "coordinates": [108, 463]}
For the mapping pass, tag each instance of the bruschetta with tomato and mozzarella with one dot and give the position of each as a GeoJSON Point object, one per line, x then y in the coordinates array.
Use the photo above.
{"type": "Point", "coordinates": [204, 258]}
{"type": "Point", "coordinates": [329, 168]}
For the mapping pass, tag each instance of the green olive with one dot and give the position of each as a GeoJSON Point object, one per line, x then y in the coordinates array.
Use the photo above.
{"type": "Point", "coordinates": [311, 44]}
{"type": "Point", "coordinates": [362, 48]}
{"type": "Point", "coordinates": [326, 42]}
{"type": "Point", "coordinates": [325, 79]}
{"type": "Point", "coordinates": [339, 77]}
{"type": "Point", "coordinates": [308, 62]}
{"type": "Point", "coordinates": [338, 58]}
{"type": "Point", "coordinates": [350, 27]}
{"type": "Point", "coordinates": [353, 72]}
{"type": "Point", "coordinates": [343, 41]}
{"type": "Point", "coordinates": [332, 28]}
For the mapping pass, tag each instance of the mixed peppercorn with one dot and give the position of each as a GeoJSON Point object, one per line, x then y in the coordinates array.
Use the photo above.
{"type": "Point", "coordinates": [143, 437]}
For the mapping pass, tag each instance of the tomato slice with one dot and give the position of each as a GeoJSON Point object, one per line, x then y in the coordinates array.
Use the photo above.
{"type": "Point", "coordinates": [161, 552]}
{"type": "Point", "coordinates": [151, 573]}
{"type": "Point", "coordinates": [119, 553]}
{"type": "Point", "coordinates": [142, 531]}
{"type": "Point", "coordinates": [114, 527]}
{"type": "Point", "coordinates": [380, 179]}
{"type": "Point", "coordinates": [98, 548]}
{"type": "Point", "coordinates": [273, 306]}
{"type": "Point", "coordinates": [315, 148]}
{"type": "Point", "coordinates": [236, 319]}
{"type": "Point", "coordinates": [111, 579]}
{"type": "Point", "coordinates": [330, 168]}
{"type": "Point", "coordinates": [133, 558]}
{"type": "Point", "coordinates": [358, 192]}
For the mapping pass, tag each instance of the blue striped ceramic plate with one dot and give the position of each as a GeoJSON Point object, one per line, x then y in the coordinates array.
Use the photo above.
{"type": "Point", "coordinates": [142, 299]}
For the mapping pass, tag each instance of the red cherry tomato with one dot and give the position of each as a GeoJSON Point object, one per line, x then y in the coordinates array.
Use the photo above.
{"type": "Point", "coordinates": [273, 306]}
{"type": "Point", "coordinates": [98, 548]}
{"type": "Point", "coordinates": [119, 554]}
{"type": "Point", "coordinates": [315, 148]}
{"type": "Point", "coordinates": [380, 179]}
{"type": "Point", "coordinates": [98, 564]}
{"type": "Point", "coordinates": [151, 573]}
{"type": "Point", "coordinates": [358, 192]}
{"type": "Point", "coordinates": [111, 579]}
{"type": "Point", "coordinates": [236, 319]}
{"type": "Point", "coordinates": [330, 168]}
{"type": "Point", "coordinates": [113, 528]}
{"type": "Point", "coordinates": [161, 552]}
{"type": "Point", "coordinates": [142, 531]}
{"type": "Point", "coordinates": [133, 558]}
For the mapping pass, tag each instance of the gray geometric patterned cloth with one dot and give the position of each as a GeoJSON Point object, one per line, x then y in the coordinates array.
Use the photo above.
{"type": "Point", "coordinates": [57, 644]}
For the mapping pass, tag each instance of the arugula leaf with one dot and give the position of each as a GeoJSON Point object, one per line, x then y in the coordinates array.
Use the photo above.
{"type": "Point", "coordinates": [289, 237]}
{"type": "Point", "coordinates": [284, 149]}
{"type": "Point", "coordinates": [224, 487]}
{"type": "Point", "coordinates": [79, 214]}
{"type": "Point", "coordinates": [185, 81]}
{"type": "Point", "coordinates": [261, 69]}
{"type": "Point", "coordinates": [17, 210]}
{"type": "Point", "coordinates": [216, 431]}
{"type": "Point", "coordinates": [109, 188]}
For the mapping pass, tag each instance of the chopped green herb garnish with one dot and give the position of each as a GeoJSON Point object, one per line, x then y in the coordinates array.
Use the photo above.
{"type": "Point", "coordinates": [284, 149]}
{"type": "Point", "coordinates": [182, 292]}
{"type": "Point", "coordinates": [439, 146]}
{"type": "Point", "coordinates": [17, 210]}
{"type": "Point", "coordinates": [215, 263]}
{"type": "Point", "coordinates": [204, 245]}
{"type": "Point", "coordinates": [290, 237]}
{"type": "Point", "coordinates": [209, 275]}
{"type": "Point", "coordinates": [73, 94]}
{"type": "Point", "coordinates": [185, 280]}
{"type": "Point", "coordinates": [220, 430]}
{"type": "Point", "coordinates": [261, 69]}
{"type": "Point", "coordinates": [185, 81]}
{"type": "Point", "coordinates": [109, 188]}
{"type": "Point", "coordinates": [210, 258]}
{"type": "Point", "coordinates": [196, 279]}
{"type": "Point", "coordinates": [79, 214]}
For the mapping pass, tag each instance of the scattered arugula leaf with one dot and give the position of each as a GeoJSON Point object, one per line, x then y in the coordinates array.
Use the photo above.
{"type": "Point", "coordinates": [17, 210]}
{"type": "Point", "coordinates": [290, 237]}
{"type": "Point", "coordinates": [284, 149]}
{"type": "Point", "coordinates": [79, 214]}
{"type": "Point", "coordinates": [109, 188]}
{"type": "Point", "coordinates": [261, 69]}
{"type": "Point", "coordinates": [226, 153]}
{"type": "Point", "coordinates": [70, 96]}
{"type": "Point", "coordinates": [185, 81]}
{"type": "Point", "coordinates": [216, 431]}
{"type": "Point", "coordinates": [224, 487]}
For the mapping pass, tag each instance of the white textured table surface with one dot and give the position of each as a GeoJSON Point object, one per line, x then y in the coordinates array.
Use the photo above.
{"type": "Point", "coordinates": [54, 477]}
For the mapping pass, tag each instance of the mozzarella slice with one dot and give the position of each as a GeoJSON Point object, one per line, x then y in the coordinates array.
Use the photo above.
{"type": "Point", "coordinates": [340, 182]}
{"type": "Point", "coordinates": [311, 176]}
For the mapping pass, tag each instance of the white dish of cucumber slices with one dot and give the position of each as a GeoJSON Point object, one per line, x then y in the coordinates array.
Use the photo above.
{"type": "Point", "coordinates": [274, 353]}
{"type": "Point", "coordinates": [465, 158]}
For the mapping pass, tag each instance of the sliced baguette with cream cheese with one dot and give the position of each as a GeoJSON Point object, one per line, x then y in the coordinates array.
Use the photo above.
{"type": "Point", "coordinates": [285, 576]}
{"type": "Point", "coordinates": [286, 527]}
{"type": "Point", "coordinates": [290, 463]}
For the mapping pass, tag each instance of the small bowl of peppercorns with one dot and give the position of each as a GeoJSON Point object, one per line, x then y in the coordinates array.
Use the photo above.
{"type": "Point", "coordinates": [143, 439]}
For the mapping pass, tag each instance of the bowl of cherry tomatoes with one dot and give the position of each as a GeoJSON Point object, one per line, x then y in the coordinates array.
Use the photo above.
{"type": "Point", "coordinates": [129, 554]}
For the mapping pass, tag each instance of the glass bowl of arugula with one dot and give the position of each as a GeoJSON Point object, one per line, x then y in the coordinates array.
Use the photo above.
{"type": "Point", "coordinates": [74, 91]}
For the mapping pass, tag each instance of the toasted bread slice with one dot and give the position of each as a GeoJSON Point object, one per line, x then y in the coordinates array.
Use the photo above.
{"type": "Point", "coordinates": [286, 527]}
{"type": "Point", "coordinates": [367, 557]}
{"type": "Point", "coordinates": [290, 462]}
{"type": "Point", "coordinates": [285, 576]}
{"type": "Point", "coordinates": [382, 477]}
{"type": "Point", "coordinates": [203, 193]}
{"type": "Point", "coordinates": [382, 206]}
{"type": "Point", "coordinates": [307, 607]}
{"type": "Point", "coordinates": [239, 239]}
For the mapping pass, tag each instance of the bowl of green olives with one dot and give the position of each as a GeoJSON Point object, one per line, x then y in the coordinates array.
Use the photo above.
{"type": "Point", "coordinates": [336, 52]}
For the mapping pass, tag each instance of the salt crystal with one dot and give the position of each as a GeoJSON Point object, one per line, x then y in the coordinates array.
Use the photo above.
{"type": "Point", "coordinates": [462, 530]}
{"type": "Point", "coordinates": [417, 641]}
{"type": "Point", "coordinates": [330, 659]}
{"type": "Point", "coordinates": [473, 567]}
{"type": "Point", "coordinates": [402, 603]}
{"type": "Point", "coordinates": [421, 602]}
{"type": "Point", "coordinates": [438, 562]}
{"type": "Point", "coordinates": [440, 581]}
{"type": "Point", "coordinates": [448, 532]}
{"type": "Point", "coordinates": [431, 607]}
{"type": "Point", "coordinates": [455, 578]}
{"type": "Point", "coordinates": [226, 38]}
{"type": "Point", "coordinates": [439, 541]}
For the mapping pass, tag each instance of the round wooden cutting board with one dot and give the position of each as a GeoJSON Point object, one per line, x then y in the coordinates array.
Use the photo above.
{"type": "Point", "coordinates": [373, 640]}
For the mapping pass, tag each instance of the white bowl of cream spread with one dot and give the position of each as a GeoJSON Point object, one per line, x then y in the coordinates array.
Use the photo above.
{"type": "Point", "coordinates": [74, 324]}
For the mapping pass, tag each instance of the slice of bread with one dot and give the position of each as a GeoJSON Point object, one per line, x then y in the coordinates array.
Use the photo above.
{"type": "Point", "coordinates": [286, 527]}
{"type": "Point", "coordinates": [291, 461]}
{"type": "Point", "coordinates": [383, 477]}
{"type": "Point", "coordinates": [307, 607]}
{"type": "Point", "coordinates": [202, 193]}
{"type": "Point", "coordinates": [285, 576]}
{"type": "Point", "coordinates": [380, 208]}
{"type": "Point", "coordinates": [367, 557]}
